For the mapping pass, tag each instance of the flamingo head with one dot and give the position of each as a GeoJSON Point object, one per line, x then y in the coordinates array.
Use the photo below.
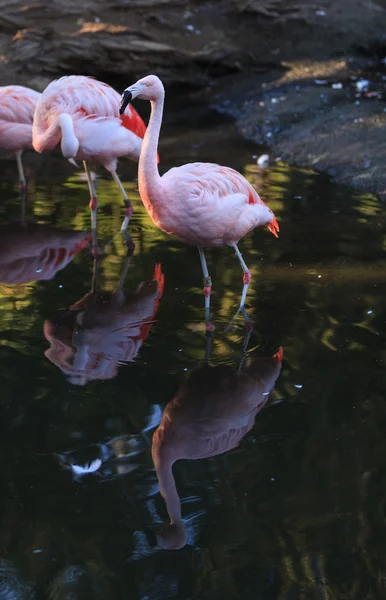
{"type": "Point", "coordinates": [147, 88]}
{"type": "Point", "coordinates": [172, 536]}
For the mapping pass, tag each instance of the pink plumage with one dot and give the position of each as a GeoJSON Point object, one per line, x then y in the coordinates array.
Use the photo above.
{"type": "Point", "coordinates": [94, 109]}
{"type": "Point", "coordinates": [219, 205]}
{"type": "Point", "coordinates": [17, 107]}
{"type": "Point", "coordinates": [202, 204]}
{"type": "Point", "coordinates": [81, 114]}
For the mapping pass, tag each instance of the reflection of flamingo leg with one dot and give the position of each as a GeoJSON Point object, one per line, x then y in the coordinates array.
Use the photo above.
{"type": "Point", "coordinates": [124, 272]}
{"type": "Point", "coordinates": [93, 206]}
{"type": "Point", "coordinates": [95, 272]}
{"type": "Point", "coordinates": [208, 346]}
{"type": "Point", "coordinates": [246, 339]}
{"type": "Point", "coordinates": [207, 289]}
{"type": "Point", "coordinates": [23, 194]}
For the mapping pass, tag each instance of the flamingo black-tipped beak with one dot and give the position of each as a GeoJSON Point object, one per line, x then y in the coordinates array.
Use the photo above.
{"type": "Point", "coordinates": [125, 100]}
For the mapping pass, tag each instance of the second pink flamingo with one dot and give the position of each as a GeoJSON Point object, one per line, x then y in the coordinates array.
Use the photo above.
{"type": "Point", "coordinates": [82, 115]}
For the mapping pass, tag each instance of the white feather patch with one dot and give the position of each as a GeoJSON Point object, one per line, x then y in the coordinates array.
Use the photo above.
{"type": "Point", "coordinates": [84, 469]}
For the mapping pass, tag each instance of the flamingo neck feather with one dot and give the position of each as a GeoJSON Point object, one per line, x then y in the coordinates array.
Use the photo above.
{"type": "Point", "coordinates": [69, 143]}
{"type": "Point", "coordinates": [148, 175]}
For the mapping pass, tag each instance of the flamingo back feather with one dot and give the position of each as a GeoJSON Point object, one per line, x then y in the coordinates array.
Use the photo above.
{"type": "Point", "coordinates": [17, 104]}
{"type": "Point", "coordinates": [82, 96]}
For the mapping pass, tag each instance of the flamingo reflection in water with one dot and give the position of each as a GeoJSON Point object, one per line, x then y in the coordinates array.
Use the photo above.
{"type": "Point", "coordinates": [106, 330]}
{"type": "Point", "coordinates": [37, 252]}
{"type": "Point", "coordinates": [210, 414]}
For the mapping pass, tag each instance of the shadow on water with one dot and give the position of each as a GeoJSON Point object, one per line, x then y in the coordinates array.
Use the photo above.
{"type": "Point", "coordinates": [297, 508]}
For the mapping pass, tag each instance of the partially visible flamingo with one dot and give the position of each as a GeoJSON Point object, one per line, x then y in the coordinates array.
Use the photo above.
{"type": "Point", "coordinates": [107, 329]}
{"type": "Point", "coordinates": [209, 415]}
{"type": "Point", "coordinates": [37, 252]}
{"type": "Point", "coordinates": [82, 115]}
{"type": "Point", "coordinates": [202, 204]}
{"type": "Point", "coordinates": [17, 107]}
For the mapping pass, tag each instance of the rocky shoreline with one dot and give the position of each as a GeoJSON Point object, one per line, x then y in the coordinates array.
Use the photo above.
{"type": "Point", "coordinates": [286, 70]}
{"type": "Point", "coordinates": [330, 117]}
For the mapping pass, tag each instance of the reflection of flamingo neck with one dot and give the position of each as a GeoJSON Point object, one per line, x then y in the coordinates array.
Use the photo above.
{"type": "Point", "coordinates": [172, 536]}
{"type": "Point", "coordinates": [167, 484]}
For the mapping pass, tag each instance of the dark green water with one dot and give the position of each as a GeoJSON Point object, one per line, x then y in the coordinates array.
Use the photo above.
{"type": "Point", "coordinates": [298, 510]}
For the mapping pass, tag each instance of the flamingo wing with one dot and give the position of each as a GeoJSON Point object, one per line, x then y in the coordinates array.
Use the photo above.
{"type": "Point", "coordinates": [217, 199]}
{"type": "Point", "coordinates": [17, 104]}
{"type": "Point", "coordinates": [79, 96]}
{"type": "Point", "coordinates": [132, 121]}
{"type": "Point", "coordinates": [219, 180]}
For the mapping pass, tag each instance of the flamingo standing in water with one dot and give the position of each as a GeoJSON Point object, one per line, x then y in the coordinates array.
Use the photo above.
{"type": "Point", "coordinates": [17, 107]}
{"type": "Point", "coordinates": [210, 414]}
{"type": "Point", "coordinates": [82, 115]}
{"type": "Point", "coordinates": [203, 204]}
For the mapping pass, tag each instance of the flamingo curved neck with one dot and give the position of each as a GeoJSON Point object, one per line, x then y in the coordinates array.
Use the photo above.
{"type": "Point", "coordinates": [69, 144]}
{"type": "Point", "coordinates": [60, 131]}
{"type": "Point", "coordinates": [148, 175]}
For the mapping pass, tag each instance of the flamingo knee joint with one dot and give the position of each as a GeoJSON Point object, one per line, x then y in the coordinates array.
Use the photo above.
{"type": "Point", "coordinates": [93, 203]}
{"type": "Point", "coordinates": [247, 278]}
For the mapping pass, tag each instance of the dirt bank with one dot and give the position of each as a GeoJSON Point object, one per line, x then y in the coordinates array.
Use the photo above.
{"type": "Point", "coordinates": [232, 48]}
{"type": "Point", "coordinates": [329, 116]}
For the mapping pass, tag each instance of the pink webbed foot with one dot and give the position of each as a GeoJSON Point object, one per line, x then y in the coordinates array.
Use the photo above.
{"type": "Point", "coordinates": [247, 278]}
{"type": "Point", "coordinates": [93, 204]}
{"type": "Point", "coordinates": [207, 291]}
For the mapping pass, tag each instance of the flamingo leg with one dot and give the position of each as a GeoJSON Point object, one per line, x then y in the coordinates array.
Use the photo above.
{"type": "Point", "coordinates": [246, 278]}
{"type": "Point", "coordinates": [93, 206]}
{"type": "Point", "coordinates": [22, 187]}
{"type": "Point", "coordinates": [207, 290]}
{"type": "Point", "coordinates": [128, 205]}
{"type": "Point", "coordinates": [20, 170]}
{"type": "Point", "coordinates": [241, 308]}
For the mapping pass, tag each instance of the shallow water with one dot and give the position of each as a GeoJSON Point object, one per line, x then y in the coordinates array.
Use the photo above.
{"type": "Point", "coordinates": [297, 510]}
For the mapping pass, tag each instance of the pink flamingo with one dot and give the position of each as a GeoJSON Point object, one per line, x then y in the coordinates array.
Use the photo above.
{"type": "Point", "coordinates": [210, 414]}
{"type": "Point", "coordinates": [37, 252]}
{"type": "Point", "coordinates": [82, 115]}
{"type": "Point", "coordinates": [203, 204]}
{"type": "Point", "coordinates": [17, 107]}
{"type": "Point", "coordinates": [108, 330]}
